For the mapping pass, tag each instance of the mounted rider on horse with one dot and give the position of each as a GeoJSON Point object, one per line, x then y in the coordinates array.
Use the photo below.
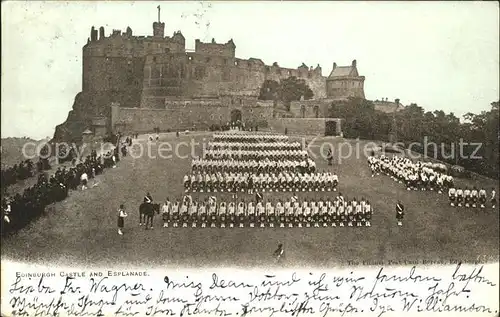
{"type": "Point", "coordinates": [147, 210]}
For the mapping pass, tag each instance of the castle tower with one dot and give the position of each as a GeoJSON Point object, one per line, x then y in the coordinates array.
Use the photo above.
{"type": "Point", "coordinates": [344, 82]}
{"type": "Point", "coordinates": [158, 27]}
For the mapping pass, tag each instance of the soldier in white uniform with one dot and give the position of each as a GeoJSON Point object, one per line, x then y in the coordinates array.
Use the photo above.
{"type": "Point", "coordinates": [222, 214]}
{"type": "Point", "coordinates": [467, 197]}
{"type": "Point", "coordinates": [473, 196]}
{"type": "Point", "coordinates": [482, 197]}
{"type": "Point", "coordinates": [232, 218]}
{"type": "Point", "coordinates": [280, 211]}
{"type": "Point", "coordinates": [261, 213]}
{"type": "Point", "coordinates": [251, 214]}
{"type": "Point", "coordinates": [212, 212]}
{"type": "Point", "coordinates": [202, 217]}
{"type": "Point", "coordinates": [341, 213]}
{"type": "Point", "coordinates": [493, 199]}
{"type": "Point", "coordinates": [460, 197]}
{"type": "Point", "coordinates": [193, 214]}
{"type": "Point", "coordinates": [184, 214]}
{"type": "Point", "coordinates": [316, 216]}
{"type": "Point", "coordinates": [324, 214]}
{"type": "Point", "coordinates": [298, 214]}
{"type": "Point", "coordinates": [452, 195]}
{"type": "Point", "coordinates": [175, 214]}
{"type": "Point", "coordinates": [165, 213]}
{"type": "Point", "coordinates": [187, 181]}
{"type": "Point", "coordinates": [358, 213]}
{"type": "Point", "coordinates": [271, 216]}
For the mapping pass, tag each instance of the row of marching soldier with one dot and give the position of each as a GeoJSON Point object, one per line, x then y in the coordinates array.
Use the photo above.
{"type": "Point", "coordinates": [325, 212]}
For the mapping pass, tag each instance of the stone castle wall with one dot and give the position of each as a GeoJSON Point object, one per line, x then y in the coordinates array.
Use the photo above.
{"type": "Point", "coordinates": [185, 115]}
{"type": "Point", "coordinates": [193, 75]}
{"type": "Point", "coordinates": [309, 126]}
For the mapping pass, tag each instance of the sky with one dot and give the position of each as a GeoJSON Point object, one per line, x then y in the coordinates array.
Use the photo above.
{"type": "Point", "coordinates": [440, 55]}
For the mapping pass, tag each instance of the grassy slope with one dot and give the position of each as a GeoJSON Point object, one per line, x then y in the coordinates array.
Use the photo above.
{"type": "Point", "coordinates": [82, 229]}
{"type": "Point", "coordinates": [12, 150]}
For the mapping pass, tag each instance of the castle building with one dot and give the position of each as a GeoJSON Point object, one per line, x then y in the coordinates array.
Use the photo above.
{"type": "Point", "coordinates": [141, 83]}
{"type": "Point", "coordinates": [344, 82]}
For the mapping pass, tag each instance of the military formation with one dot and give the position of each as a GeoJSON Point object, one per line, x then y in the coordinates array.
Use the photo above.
{"type": "Point", "coordinates": [414, 175]}
{"type": "Point", "coordinates": [433, 177]}
{"type": "Point", "coordinates": [471, 197]}
{"type": "Point", "coordinates": [249, 162]}
{"type": "Point", "coordinates": [265, 182]}
{"type": "Point", "coordinates": [326, 212]}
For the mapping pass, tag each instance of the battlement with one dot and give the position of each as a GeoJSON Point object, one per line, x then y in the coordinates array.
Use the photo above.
{"type": "Point", "coordinates": [125, 44]}
{"type": "Point", "coordinates": [228, 49]}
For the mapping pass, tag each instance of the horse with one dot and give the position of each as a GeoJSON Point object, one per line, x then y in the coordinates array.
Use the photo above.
{"type": "Point", "coordinates": [147, 212]}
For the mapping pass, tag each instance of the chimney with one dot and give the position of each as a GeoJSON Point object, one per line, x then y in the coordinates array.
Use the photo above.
{"type": "Point", "coordinates": [101, 33]}
{"type": "Point", "coordinates": [334, 66]}
{"type": "Point", "coordinates": [397, 101]}
{"type": "Point", "coordinates": [354, 63]}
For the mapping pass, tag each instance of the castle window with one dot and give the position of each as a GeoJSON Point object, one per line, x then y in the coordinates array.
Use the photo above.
{"type": "Point", "coordinates": [167, 50]}
{"type": "Point", "coordinates": [225, 61]}
{"type": "Point", "coordinates": [226, 75]}
{"type": "Point", "coordinates": [303, 111]}
{"type": "Point", "coordinates": [208, 60]}
{"type": "Point", "coordinates": [199, 73]}
{"type": "Point", "coordinates": [241, 102]}
{"type": "Point", "coordinates": [154, 59]}
{"type": "Point", "coordinates": [316, 111]}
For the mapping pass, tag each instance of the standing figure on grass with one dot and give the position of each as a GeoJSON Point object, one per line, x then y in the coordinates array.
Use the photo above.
{"type": "Point", "coordinates": [482, 197]}
{"type": "Point", "coordinates": [121, 219]}
{"type": "Point", "coordinates": [279, 254]}
{"type": "Point", "coordinates": [329, 157]}
{"type": "Point", "coordinates": [84, 178]}
{"type": "Point", "coordinates": [493, 199]}
{"type": "Point", "coordinates": [165, 212]}
{"type": "Point", "coordinates": [400, 211]}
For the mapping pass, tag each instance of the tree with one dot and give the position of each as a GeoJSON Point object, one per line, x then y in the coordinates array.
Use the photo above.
{"type": "Point", "coordinates": [270, 90]}
{"type": "Point", "coordinates": [292, 89]}
{"type": "Point", "coordinates": [287, 90]}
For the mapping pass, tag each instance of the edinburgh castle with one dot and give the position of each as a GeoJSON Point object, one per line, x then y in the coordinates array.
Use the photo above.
{"type": "Point", "coordinates": [142, 83]}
